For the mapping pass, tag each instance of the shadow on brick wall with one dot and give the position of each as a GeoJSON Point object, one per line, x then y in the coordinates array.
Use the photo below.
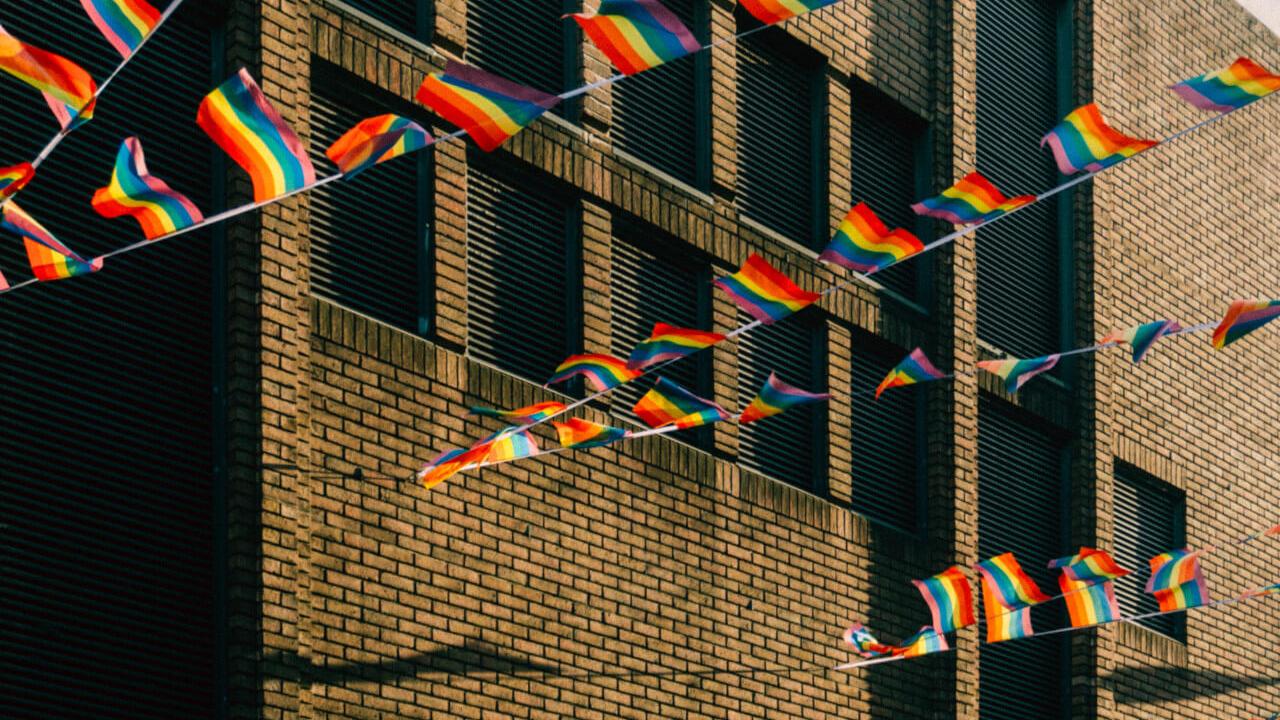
{"type": "Point", "coordinates": [896, 611]}
{"type": "Point", "coordinates": [1134, 685]}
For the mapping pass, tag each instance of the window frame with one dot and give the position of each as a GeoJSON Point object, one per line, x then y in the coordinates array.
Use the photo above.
{"type": "Point", "coordinates": [1143, 485]}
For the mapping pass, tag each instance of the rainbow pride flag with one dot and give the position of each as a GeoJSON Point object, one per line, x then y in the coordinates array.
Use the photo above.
{"type": "Point", "coordinates": [601, 371]}
{"type": "Point", "coordinates": [950, 599]}
{"type": "Point", "coordinates": [927, 641]}
{"type": "Point", "coordinates": [49, 264]}
{"type": "Point", "coordinates": [914, 368]}
{"type": "Point", "coordinates": [1176, 580]}
{"type": "Point", "coordinates": [69, 118]}
{"type": "Point", "coordinates": [1017, 371]}
{"type": "Point", "coordinates": [863, 244]}
{"type": "Point", "coordinates": [376, 140]}
{"type": "Point", "coordinates": [1084, 141]}
{"type": "Point", "coordinates": [14, 178]}
{"type": "Point", "coordinates": [864, 643]}
{"type": "Point", "coordinates": [489, 108]}
{"type": "Point", "coordinates": [53, 75]}
{"type": "Point", "coordinates": [4, 284]}
{"type": "Point", "coordinates": [669, 404]}
{"type": "Point", "coordinates": [158, 208]}
{"type": "Point", "coordinates": [1086, 586]}
{"type": "Point", "coordinates": [1242, 318]}
{"type": "Point", "coordinates": [124, 23]}
{"type": "Point", "coordinates": [16, 220]}
{"type": "Point", "coordinates": [668, 342]}
{"type": "Point", "coordinates": [1007, 596]}
{"type": "Point", "coordinates": [1141, 337]}
{"type": "Point", "coordinates": [777, 397]}
{"type": "Point", "coordinates": [247, 127]}
{"type": "Point", "coordinates": [637, 35]}
{"type": "Point", "coordinates": [764, 292]}
{"type": "Point", "coordinates": [1090, 566]}
{"type": "Point", "coordinates": [512, 443]}
{"type": "Point", "coordinates": [452, 462]}
{"type": "Point", "coordinates": [1230, 88]}
{"type": "Point", "coordinates": [971, 201]}
{"type": "Point", "coordinates": [579, 434]}
{"type": "Point", "coordinates": [522, 416]}
{"type": "Point", "coordinates": [774, 11]}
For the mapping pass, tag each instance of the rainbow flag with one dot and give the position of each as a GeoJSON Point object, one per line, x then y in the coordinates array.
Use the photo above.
{"type": "Point", "coordinates": [927, 641]}
{"type": "Point", "coordinates": [863, 244]}
{"type": "Point", "coordinates": [774, 11]}
{"type": "Point", "coordinates": [1017, 371]}
{"type": "Point", "coordinates": [668, 342]}
{"type": "Point", "coordinates": [601, 371]}
{"type": "Point", "coordinates": [452, 462]}
{"type": "Point", "coordinates": [527, 415]}
{"type": "Point", "coordinates": [864, 643]}
{"type": "Point", "coordinates": [914, 368]}
{"type": "Point", "coordinates": [4, 284]}
{"type": "Point", "coordinates": [1086, 586]}
{"type": "Point", "coordinates": [971, 201]}
{"type": "Point", "coordinates": [1089, 566]}
{"type": "Point", "coordinates": [765, 293]}
{"type": "Point", "coordinates": [1084, 141]}
{"type": "Point", "coordinates": [51, 74]}
{"type": "Point", "coordinates": [1230, 88]}
{"type": "Point", "coordinates": [489, 108]}
{"type": "Point", "coordinates": [512, 443]}
{"type": "Point", "coordinates": [637, 35]}
{"type": "Point", "coordinates": [125, 23]}
{"type": "Point", "coordinates": [158, 208]}
{"type": "Point", "coordinates": [1176, 580]}
{"type": "Point", "coordinates": [579, 434]}
{"type": "Point", "coordinates": [247, 127]}
{"type": "Point", "coordinates": [1142, 337]}
{"type": "Point", "coordinates": [16, 220]}
{"type": "Point", "coordinates": [777, 397]}
{"type": "Point", "coordinates": [950, 599]}
{"type": "Point", "coordinates": [49, 264]}
{"type": "Point", "coordinates": [1007, 596]}
{"type": "Point", "coordinates": [68, 117]}
{"type": "Point", "coordinates": [669, 404]}
{"type": "Point", "coordinates": [376, 140]}
{"type": "Point", "coordinates": [14, 178]}
{"type": "Point", "coordinates": [1243, 317]}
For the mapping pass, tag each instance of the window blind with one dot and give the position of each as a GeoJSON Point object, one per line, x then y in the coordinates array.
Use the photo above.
{"type": "Point", "coordinates": [888, 452]}
{"type": "Point", "coordinates": [1148, 521]}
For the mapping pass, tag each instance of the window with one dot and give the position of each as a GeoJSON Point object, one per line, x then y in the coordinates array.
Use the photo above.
{"type": "Point", "coordinates": [1021, 509]}
{"type": "Point", "coordinates": [782, 165]}
{"type": "Point", "coordinates": [888, 438]}
{"type": "Point", "coordinates": [527, 42]}
{"type": "Point", "coordinates": [1019, 260]}
{"type": "Point", "coordinates": [1149, 520]}
{"type": "Point", "coordinates": [662, 116]}
{"type": "Point", "coordinates": [523, 270]}
{"type": "Point", "coordinates": [411, 17]}
{"type": "Point", "coordinates": [889, 165]}
{"type": "Point", "coordinates": [384, 270]}
{"type": "Point", "coordinates": [791, 447]}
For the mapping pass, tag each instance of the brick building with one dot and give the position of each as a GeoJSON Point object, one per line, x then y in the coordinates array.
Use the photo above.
{"type": "Point", "coordinates": [182, 532]}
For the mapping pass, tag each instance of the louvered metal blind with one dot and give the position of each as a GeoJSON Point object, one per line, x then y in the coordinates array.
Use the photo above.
{"type": "Point", "coordinates": [369, 238]}
{"type": "Point", "coordinates": [661, 116]}
{"type": "Point", "coordinates": [106, 527]}
{"type": "Point", "coordinates": [523, 271]}
{"type": "Point", "coordinates": [526, 42]}
{"type": "Point", "coordinates": [792, 446]}
{"type": "Point", "coordinates": [887, 151]}
{"type": "Point", "coordinates": [1021, 491]}
{"type": "Point", "coordinates": [1148, 521]}
{"type": "Point", "coordinates": [411, 17]}
{"type": "Point", "coordinates": [781, 136]}
{"type": "Point", "coordinates": [1018, 258]}
{"type": "Point", "coordinates": [888, 452]}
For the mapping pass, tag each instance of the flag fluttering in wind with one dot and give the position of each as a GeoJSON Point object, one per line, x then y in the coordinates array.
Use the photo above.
{"type": "Point", "coordinates": [668, 342]}
{"type": "Point", "coordinates": [4, 284]}
{"type": "Point", "coordinates": [1230, 88]}
{"type": "Point", "coordinates": [16, 220]}
{"type": "Point", "coordinates": [775, 11]}
{"type": "Point", "coordinates": [637, 35]}
{"type": "Point", "coordinates": [524, 416]}
{"type": "Point", "coordinates": [512, 443]}
{"type": "Point", "coordinates": [1017, 371]}
{"type": "Point", "coordinates": [158, 208]}
{"type": "Point", "coordinates": [971, 201]}
{"type": "Point", "coordinates": [49, 264]}
{"type": "Point", "coordinates": [452, 462]}
{"type": "Point", "coordinates": [669, 404]}
{"type": "Point", "coordinates": [776, 397]}
{"type": "Point", "coordinates": [764, 292]}
{"type": "Point", "coordinates": [1086, 586]}
{"type": "Point", "coordinates": [1084, 142]}
{"type": "Point", "coordinates": [864, 643]}
{"type": "Point", "coordinates": [489, 108]}
{"type": "Point", "coordinates": [579, 434]}
{"type": "Point", "coordinates": [914, 368]}
{"type": "Point", "coordinates": [927, 641]}
{"type": "Point", "coordinates": [1177, 581]}
{"type": "Point", "coordinates": [124, 23]}
{"type": "Point", "coordinates": [950, 599]}
{"type": "Point", "coordinates": [14, 178]}
{"type": "Point", "coordinates": [603, 372]}
{"type": "Point", "coordinates": [53, 75]}
{"type": "Point", "coordinates": [376, 140]}
{"type": "Point", "coordinates": [240, 119]}
{"type": "Point", "coordinates": [1007, 596]}
{"type": "Point", "coordinates": [1141, 337]}
{"type": "Point", "coordinates": [69, 118]}
{"type": "Point", "coordinates": [864, 244]}
{"type": "Point", "coordinates": [1243, 317]}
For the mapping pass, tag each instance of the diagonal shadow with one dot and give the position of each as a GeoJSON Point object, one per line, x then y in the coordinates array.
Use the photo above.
{"type": "Point", "coordinates": [472, 657]}
{"type": "Point", "coordinates": [1151, 684]}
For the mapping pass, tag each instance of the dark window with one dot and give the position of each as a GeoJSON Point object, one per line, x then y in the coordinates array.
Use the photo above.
{"type": "Point", "coordinates": [791, 447]}
{"type": "Point", "coordinates": [662, 115]}
{"type": "Point", "coordinates": [411, 17]}
{"type": "Point", "coordinates": [107, 534]}
{"type": "Point", "coordinates": [1149, 520]}
{"type": "Point", "coordinates": [888, 434]}
{"type": "Point", "coordinates": [1021, 491]}
{"type": "Point", "coordinates": [369, 238]}
{"type": "Point", "coordinates": [888, 153]}
{"type": "Point", "coordinates": [523, 270]}
{"type": "Point", "coordinates": [527, 42]}
{"type": "Point", "coordinates": [782, 136]}
{"type": "Point", "coordinates": [1019, 291]}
